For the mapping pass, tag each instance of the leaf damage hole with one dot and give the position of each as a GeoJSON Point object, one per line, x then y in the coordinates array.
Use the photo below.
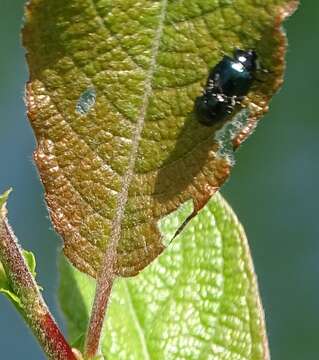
{"type": "Point", "coordinates": [86, 101]}
{"type": "Point", "coordinates": [225, 136]}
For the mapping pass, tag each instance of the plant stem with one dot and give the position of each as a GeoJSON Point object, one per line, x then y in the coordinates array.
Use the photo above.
{"type": "Point", "coordinates": [102, 294]}
{"type": "Point", "coordinates": [35, 311]}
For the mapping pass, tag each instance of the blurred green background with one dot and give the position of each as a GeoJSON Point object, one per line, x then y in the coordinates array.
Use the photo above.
{"type": "Point", "coordinates": [273, 189]}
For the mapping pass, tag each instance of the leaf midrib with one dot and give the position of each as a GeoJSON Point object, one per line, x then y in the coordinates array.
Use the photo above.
{"type": "Point", "coordinates": [115, 234]}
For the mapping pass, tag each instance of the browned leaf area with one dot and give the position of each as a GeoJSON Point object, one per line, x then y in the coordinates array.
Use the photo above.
{"type": "Point", "coordinates": [277, 40]}
{"type": "Point", "coordinates": [139, 152]}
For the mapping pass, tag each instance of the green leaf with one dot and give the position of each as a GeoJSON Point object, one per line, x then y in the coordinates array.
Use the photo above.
{"type": "Point", "coordinates": [5, 289]}
{"type": "Point", "coordinates": [111, 101]}
{"type": "Point", "coordinates": [30, 259]}
{"type": "Point", "coordinates": [198, 300]}
{"type": "Point", "coordinates": [3, 276]}
{"type": "Point", "coordinates": [3, 199]}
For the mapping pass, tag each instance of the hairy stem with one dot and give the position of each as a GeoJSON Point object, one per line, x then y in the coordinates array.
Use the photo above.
{"type": "Point", "coordinates": [102, 295]}
{"type": "Point", "coordinates": [34, 309]}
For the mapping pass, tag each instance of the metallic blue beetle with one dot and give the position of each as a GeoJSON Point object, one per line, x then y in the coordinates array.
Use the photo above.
{"type": "Point", "coordinates": [228, 83]}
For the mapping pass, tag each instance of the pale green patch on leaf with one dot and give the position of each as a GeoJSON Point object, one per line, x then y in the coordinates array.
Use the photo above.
{"type": "Point", "coordinates": [86, 101]}
{"type": "Point", "coordinates": [198, 300]}
{"type": "Point", "coordinates": [111, 101]}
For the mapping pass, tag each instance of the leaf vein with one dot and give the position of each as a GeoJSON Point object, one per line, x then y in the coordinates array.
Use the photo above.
{"type": "Point", "coordinates": [113, 34]}
{"type": "Point", "coordinates": [137, 322]}
{"type": "Point", "coordinates": [128, 176]}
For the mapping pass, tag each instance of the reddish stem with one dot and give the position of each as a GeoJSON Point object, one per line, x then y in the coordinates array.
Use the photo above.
{"type": "Point", "coordinates": [34, 309]}
{"type": "Point", "coordinates": [102, 294]}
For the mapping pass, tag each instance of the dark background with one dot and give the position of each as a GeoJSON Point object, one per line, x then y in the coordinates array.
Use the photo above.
{"type": "Point", "coordinates": [273, 190]}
